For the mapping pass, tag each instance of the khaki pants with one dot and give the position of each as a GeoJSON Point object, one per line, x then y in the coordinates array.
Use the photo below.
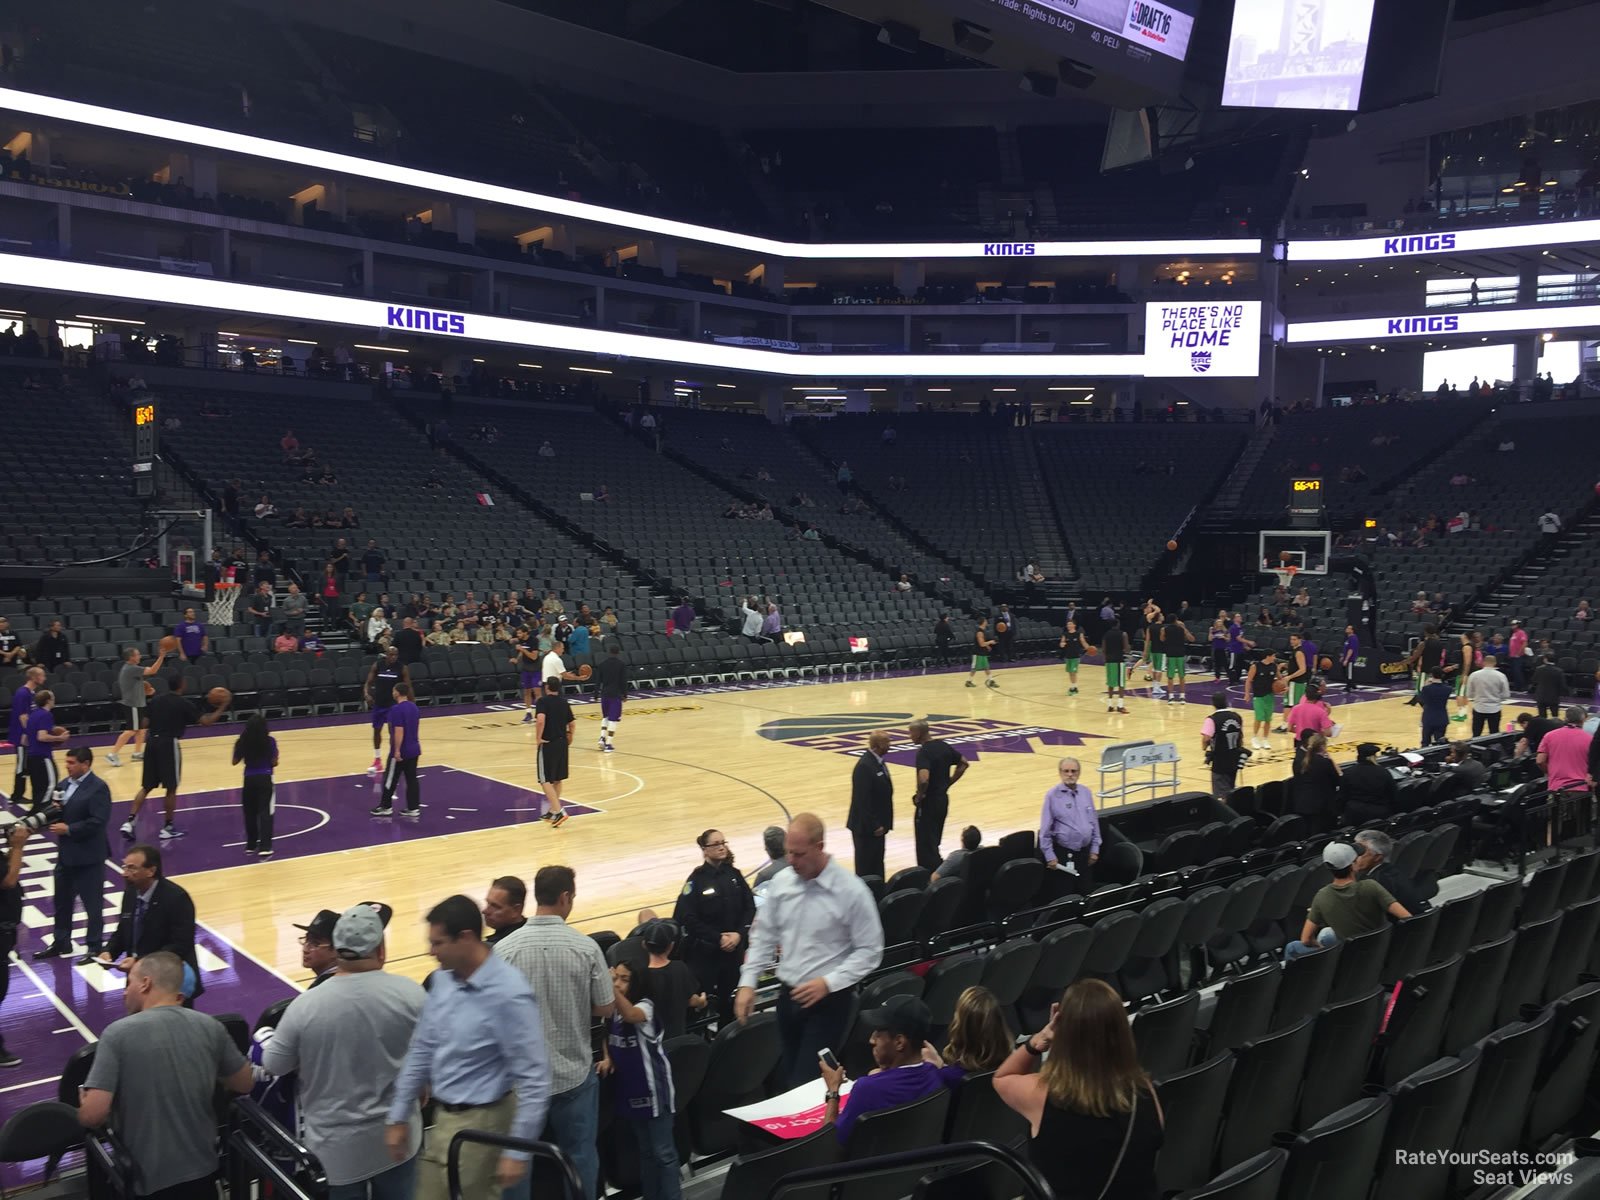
{"type": "Point", "coordinates": [478, 1163]}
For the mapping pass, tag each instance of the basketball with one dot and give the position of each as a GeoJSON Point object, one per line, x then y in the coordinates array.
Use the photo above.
{"type": "Point", "coordinates": [1172, 545]}
{"type": "Point", "coordinates": [1279, 687]}
{"type": "Point", "coordinates": [169, 644]}
{"type": "Point", "coordinates": [1285, 556]}
{"type": "Point", "coordinates": [585, 671]}
{"type": "Point", "coordinates": [1000, 626]}
{"type": "Point", "coordinates": [1324, 663]}
{"type": "Point", "coordinates": [219, 697]}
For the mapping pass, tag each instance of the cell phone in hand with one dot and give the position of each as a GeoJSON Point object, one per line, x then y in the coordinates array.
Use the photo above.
{"type": "Point", "coordinates": [826, 1058]}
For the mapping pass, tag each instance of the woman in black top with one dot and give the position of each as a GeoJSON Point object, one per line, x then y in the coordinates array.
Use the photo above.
{"type": "Point", "coordinates": [714, 911]}
{"type": "Point", "coordinates": [1094, 1113]}
{"type": "Point", "coordinates": [1314, 792]}
{"type": "Point", "coordinates": [1367, 791]}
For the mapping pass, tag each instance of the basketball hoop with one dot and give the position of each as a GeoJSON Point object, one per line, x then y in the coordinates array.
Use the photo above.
{"type": "Point", "coordinates": [1283, 577]}
{"type": "Point", "coordinates": [224, 597]}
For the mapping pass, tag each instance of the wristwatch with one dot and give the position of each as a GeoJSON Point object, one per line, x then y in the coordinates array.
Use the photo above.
{"type": "Point", "coordinates": [1032, 1050]}
{"type": "Point", "coordinates": [830, 1096]}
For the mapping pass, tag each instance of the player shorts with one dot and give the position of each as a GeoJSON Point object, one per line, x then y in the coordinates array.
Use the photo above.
{"type": "Point", "coordinates": [529, 680]}
{"type": "Point", "coordinates": [1072, 663]}
{"type": "Point", "coordinates": [1176, 666]}
{"type": "Point", "coordinates": [380, 716]}
{"type": "Point", "coordinates": [134, 715]}
{"type": "Point", "coordinates": [980, 662]}
{"type": "Point", "coordinates": [611, 708]}
{"type": "Point", "coordinates": [163, 764]}
{"type": "Point", "coordinates": [1116, 676]}
{"type": "Point", "coordinates": [1297, 693]}
{"type": "Point", "coordinates": [1263, 706]}
{"type": "Point", "coordinates": [1156, 662]}
{"type": "Point", "coordinates": [551, 762]}
{"type": "Point", "coordinates": [1461, 686]}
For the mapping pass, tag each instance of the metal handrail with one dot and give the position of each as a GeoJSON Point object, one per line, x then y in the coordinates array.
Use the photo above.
{"type": "Point", "coordinates": [1033, 1185]}
{"type": "Point", "coordinates": [571, 1185]}
{"type": "Point", "coordinates": [261, 1147]}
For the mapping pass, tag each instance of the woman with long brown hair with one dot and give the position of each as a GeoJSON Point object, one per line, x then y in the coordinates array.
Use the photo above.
{"type": "Point", "coordinates": [1095, 1117]}
{"type": "Point", "coordinates": [979, 1040]}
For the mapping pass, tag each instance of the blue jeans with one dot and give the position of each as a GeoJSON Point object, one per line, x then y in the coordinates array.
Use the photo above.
{"type": "Point", "coordinates": [1325, 938]}
{"type": "Point", "coordinates": [659, 1176]}
{"type": "Point", "coordinates": [397, 1183]}
{"type": "Point", "coordinates": [573, 1124]}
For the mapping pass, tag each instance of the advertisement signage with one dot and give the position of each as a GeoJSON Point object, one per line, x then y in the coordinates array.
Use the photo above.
{"type": "Point", "coordinates": [1436, 324]}
{"type": "Point", "coordinates": [1460, 241]}
{"type": "Point", "coordinates": [1208, 338]}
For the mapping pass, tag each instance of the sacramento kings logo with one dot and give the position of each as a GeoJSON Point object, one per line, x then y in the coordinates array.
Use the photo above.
{"type": "Point", "coordinates": [1200, 361]}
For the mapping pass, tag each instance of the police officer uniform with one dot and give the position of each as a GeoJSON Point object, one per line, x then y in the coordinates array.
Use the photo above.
{"type": "Point", "coordinates": [715, 900]}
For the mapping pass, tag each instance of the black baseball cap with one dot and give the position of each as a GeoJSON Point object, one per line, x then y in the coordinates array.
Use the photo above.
{"type": "Point", "coordinates": [901, 1014]}
{"type": "Point", "coordinates": [321, 926]}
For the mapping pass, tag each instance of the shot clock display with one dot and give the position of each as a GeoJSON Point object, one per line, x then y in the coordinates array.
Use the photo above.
{"type": "Point", "coordinates": [1305, 497]}
{"type": "Point", "coordinates": [144, 448]}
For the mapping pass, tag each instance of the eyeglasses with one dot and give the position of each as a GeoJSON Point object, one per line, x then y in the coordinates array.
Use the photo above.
{"type": "Point", "coordinates": [311, 941]}
{"type": "Point", "coordinates": [715, 845]}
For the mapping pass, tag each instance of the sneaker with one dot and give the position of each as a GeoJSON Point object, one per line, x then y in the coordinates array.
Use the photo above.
{"type": "Point", "coordinates": [1072, 691]}
{"type": "Point", "coordinates": [527, 717]}
{"type": "Point", "coordinates": [608, 748]}
{"type": "Point", "coordinates": [990, 683]}
{"type": "Point", "coordinates": [559, 819]}
{"type": "Point", "coordinates": [1122, 708]}
{"type": "Point", "coordinates": [1111, 708]}
{"type": "Point", "coordinates": [251, 850]}
{"type": "Point", "coordinates": [264, 854]}
{"type": "Point", "coordinates": [546, 815]}
{"type": "Point", "coordinates": [8, 1059]}
{"type": "Point", "coordinates": [1280, 729]}
{"type": "Point", "coordinates": [375, 767]}
{"type": "Point", "coordinates": [381, 810]}
{"type": "Point", "coordinates": [114, 759]}
{"type": "Point", "coordinates": [127, 828]}
{"type": "Point", "coordinates": [168, 832]}
{"type": "Point", "coordinates": [138, 756]}
{"type": "Point", "coordinates": [971, 684]}
{"type": "Point", "coordinates": [1158, 691]}
{"type": "Point", "coordinates": [413, 813]}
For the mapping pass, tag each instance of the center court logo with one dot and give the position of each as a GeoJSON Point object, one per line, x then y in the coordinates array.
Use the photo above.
{"type": "Point", "coordinates": [973, 737]}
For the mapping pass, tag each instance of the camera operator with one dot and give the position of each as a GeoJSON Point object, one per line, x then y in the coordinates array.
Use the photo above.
{"type": "Point", "coordinates": [10, 918]}
{"type": "Point", "coordinates": [85, 813]}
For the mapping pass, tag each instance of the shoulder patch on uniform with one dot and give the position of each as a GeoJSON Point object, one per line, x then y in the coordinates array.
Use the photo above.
{"type": "Point", "coordinates": [687, 888]}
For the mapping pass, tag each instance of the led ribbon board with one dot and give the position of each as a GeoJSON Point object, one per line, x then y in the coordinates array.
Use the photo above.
{"type": "Point", "coordinates": [184, 133]}
{"type": "Point", "coordinates": [1460, 241]}
{"type": "Point", "coordinates": [1437, 324]}
{"type": "Point", "coordinates": [252, 299]}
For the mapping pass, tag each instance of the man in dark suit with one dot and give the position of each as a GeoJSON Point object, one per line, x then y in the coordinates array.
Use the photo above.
{"type": "Point", "coordinates": [871, 805]}
{"type": "Point", "coordinates": [81, 853]}
{"type": "Point", "coordinates": [157, 914]}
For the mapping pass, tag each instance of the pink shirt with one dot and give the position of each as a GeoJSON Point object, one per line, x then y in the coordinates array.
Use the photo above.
{"type": "Point", "coordinates": [1309, 714]}
{"type": "Point", "coordinates": [1519, 642]}
{"type": "Point", "coordinates": [1566, 752]}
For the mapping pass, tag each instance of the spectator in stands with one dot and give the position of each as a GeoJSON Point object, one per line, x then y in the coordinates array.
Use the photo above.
{"type": "Point", "coordinates": [351, 521]}
{"type": "Point", "coordinates": [258, 608]}
{"type": "Point", "coordinates": [358, 614]}
{"type": "Point", "coordinates": [285, 643]}
{"type": "Point", "coordinates": [1583, 615]}
{"type": "Point", "coordinates": [546, 450]}
{"type": "Point", "coordinates": [480, 1039]}
{"type": "Point", "coordinates": [53, 651]}
{"type": "Point", "coordinates": [1420, 605]}
{"type": "Point", "coordinates": [1564, 754]}
{"type": "Point", "coordinates": [1069, 826]}
{"type": "Point", "coordinates": [1549, 682]}
{"type": "Point", "coordinates": [1093, 1113]}
{"type": "Point", "coordinates": [1314, 791]}
{"type": "Point", "coordinates": [1516, 654]}
{"type": "Point", "coordinates": [347, 1043]}
{"type": "Point", "coordinates": [1459, 760]}
{"type": "Point", "coordinates": [1367, 791]}
{"type": "Point", "coordinates": [230, 506]}
{"type": "Point", "coordinates": [827, 924]}
{"type": "Point", "coordinates": [378, 630]}
{"type": "Point", "coordinates": [1373, 862]}
{"type": "Point", "coordinates": [502, 909]}
{"type": "Point", "coordinates": [772, 623]}
{"type": "Point", "coordinates": [643, 1092]}
{"type": "Point", "coordinates": [408, 640]}
{"type": "Point", "coordinates": [903, 584]}
{"type": "Point", "coordinates": [265, 508]}
{"type": "Point", "coordinates": [373, 562]}
{"type": "Point", "coordinates": [316, 946]}
{"type": "Point", "coordinates": [1345, 908]}
{"type": "Point", "coordinates": [566, 971]}
{"type": "Point", "coordinates": [772, 840]}
{"type": "Point", "coordinates": [264, 571]}
{"type": "Point", "coordinates": [1550, 523]}
{"type": "Point", "coordinates": [978, 1039]}
{"type": "Point", "coordinates": [293, 609]}
{"type": "Point", "coordinates": [1533, 730]}
{"type": "Point", "coordinates": [954, 865]}
{"type": "Point", "coordinates": [752, 619]}
{"type": "Point", "coordinates": [1487, 691]}
{"type": "Point", "coordinates": [154, 1078]}
{"type": "Point", "coordinates": [899, 1032]}
{"type": "Point", "coordinates": [289, 444]}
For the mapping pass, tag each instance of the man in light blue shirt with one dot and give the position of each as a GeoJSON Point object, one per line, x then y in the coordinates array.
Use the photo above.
{"type": "Point", "coordinates": [1069, 826]}
{"type": "Point", "coordinates": [480, 1050]}
{"type": "Point", "coordinates": [826, 923]}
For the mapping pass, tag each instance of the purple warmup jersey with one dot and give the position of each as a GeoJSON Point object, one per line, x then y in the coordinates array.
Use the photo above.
{"type": "Point", "coordinates": [190, 636]}
{"type": "Point", "coordinates": [40, 720]}
{"type": "Point", "coordinates": [264, 766]}
{"type": "Point", "coordinates": [405, 718]}
{"type": "Point", "coordinates": [1352, 647]}
{"type": "Point", "coordinates": [1235, 639]}
{"type": "Point", "coordinates": [1310, 648]}
{"type": "Point", "coordinates": [643, 1078]}
{"type": "Point", "coordinates": [21, 706]}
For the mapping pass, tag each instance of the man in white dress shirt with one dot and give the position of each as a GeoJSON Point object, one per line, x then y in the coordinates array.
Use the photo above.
{"type": "Point", "coordinates": [825, 921]}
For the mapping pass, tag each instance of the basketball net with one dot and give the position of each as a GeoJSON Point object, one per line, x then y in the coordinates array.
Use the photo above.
{"type": "Point", "coordinates": [224, 597]}
{"type": "Point", "coordinates": [1286, 575]}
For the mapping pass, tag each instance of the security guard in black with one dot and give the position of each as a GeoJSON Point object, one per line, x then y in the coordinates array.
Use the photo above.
{"type": "Point", "coordinates": [715, 900]}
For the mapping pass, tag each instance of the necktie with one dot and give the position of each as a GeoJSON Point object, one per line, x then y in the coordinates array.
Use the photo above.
{"type": "Point", "coordinates": [138, 923]}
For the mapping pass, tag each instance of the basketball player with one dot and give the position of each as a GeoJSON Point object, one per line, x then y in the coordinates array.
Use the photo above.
{"type": "Point", "coordinates": [191, 634]}
{"type": "Point", "coordinates": [1427, 656]}
{"type": "Point", "coordinates": [1262, 684]}
{"type": "Point", "coordinates": [21, 705]}
{"type": "Point", "coordinates": [1074, 645]}
{"type": "Point", "coordinates": [1299, 671]}
{"type": "Point", "coordinates": [134, 688]}
{"type": "Point", "coordinates": [553, 730]}
{"type": "Point", "coordinates": [554, 666]}
{"type": "Point", "coordinates": [405, 747]}
{"type": "Point", "coordinates": [527, 660]}
{"type": "Point", "coordinates": [1470, 657]}
{"type": "Point", "coordinates": [1114, 648]}
{"type": "Point", "coordinates": [43, 732]}
{"type": "Point", "coordinates": [982, 643]}
{"type": "Point", "coordinates": [1219, 647]}
{"type": "Point", "coordinates": [1347, 657]}
{"type": "Point", "coordinates": [613, 674]}
{"type": "Point", "coordinates": [1174, 635]}
{"type": "Point", "coordinates": [378, 692]}
{"type": "Point", "coordinates": [1155, 660]}
{"type": "Point", "coordinates": [170, 714]}
{"type": "Point", "coordinates": [1222, 738]}
{"type": "Point", "coordinates": [1237, 646]}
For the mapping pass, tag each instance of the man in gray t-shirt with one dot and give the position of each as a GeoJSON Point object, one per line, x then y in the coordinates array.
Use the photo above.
{"type": "Point", "coordinates": [132, 679]}
{"type": "Point", "coordinates": [154, 1075]}
{"type": "Point", "coordinates": [348, 1039]}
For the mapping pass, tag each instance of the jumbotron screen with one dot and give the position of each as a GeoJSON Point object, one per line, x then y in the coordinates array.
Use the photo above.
{"type": "Point", "coordinates": [1298, 54]}
{"type": "Point", "coordinates": [1145, 40]}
